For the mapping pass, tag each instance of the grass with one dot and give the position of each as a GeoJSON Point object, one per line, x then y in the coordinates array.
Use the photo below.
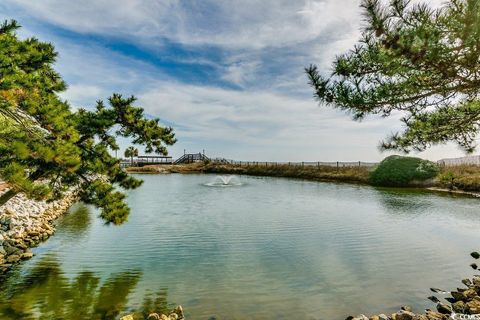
{"type": "Point", "coordinates": [318, 173]}
{"type": "Point", "coordinates": [465, 177]}
{"type": "Point", "coordinates": [462, 177]}
{"type": "Point", "coordinates": [178, 168]}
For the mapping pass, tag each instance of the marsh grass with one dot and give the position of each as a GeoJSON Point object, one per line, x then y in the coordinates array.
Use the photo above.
{"type": "Point", "coordinates": [355, 174]}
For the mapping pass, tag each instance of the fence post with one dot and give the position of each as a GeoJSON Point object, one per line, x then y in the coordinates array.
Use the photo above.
{"type": "Point", "coordinates": [303, 164]}
{"type": "Point", "coordinates": [359, 165]}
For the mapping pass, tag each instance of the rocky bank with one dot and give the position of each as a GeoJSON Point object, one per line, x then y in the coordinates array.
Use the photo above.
{"type": "Point", "coordinates": [175, 314]}
{"type": "Point", "coordinates": [24, 223]}
{"type": "Point", "coordinates": [462, 303]}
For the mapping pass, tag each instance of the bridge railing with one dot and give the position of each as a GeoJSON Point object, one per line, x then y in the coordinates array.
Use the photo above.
{"type": "Point", "coordinates": [191, 157]}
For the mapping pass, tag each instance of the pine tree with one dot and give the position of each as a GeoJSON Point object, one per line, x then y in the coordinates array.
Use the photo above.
{"type": "Point", "coordinates": [419, 61]}
{"type": "Point", "coordinates": [46, 148]}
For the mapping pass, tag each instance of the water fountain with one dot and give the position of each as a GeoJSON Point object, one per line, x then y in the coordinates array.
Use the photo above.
{"type": "Point", "coordinates": [224, 181]}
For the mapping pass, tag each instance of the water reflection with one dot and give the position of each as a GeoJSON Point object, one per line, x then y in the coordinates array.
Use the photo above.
{"type": "Point", "coordinates": [77, 222]}
{"type": "Point", "coordinates": [46, 293]}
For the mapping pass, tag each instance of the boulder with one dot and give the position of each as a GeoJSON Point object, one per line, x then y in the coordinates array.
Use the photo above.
{"type": "Point", "coordinates": [473, 306]}
{"type": "Point", "coordinates": [459, 296]}
{"type": "Point", "coordinates": [179, 311]}
{"type": "Point", "coordinates": [13, 258]}
{"type": "Point", "coordinates": [459, 307]}
{"type": "Point", "coordinates": [27, 255]}
{"type": "Point", "coordinates": [127, 317]}
{"type": "Point", "coordinates": [470, 294]}
{"type": "Point", "coordinates": [404, 315]}
{"type": "Point", "coordinates": [406, 308]}
{"type": "Point", "coordinates": [432, 315]}
{"type": "Point", "coordinates": [444, 308]}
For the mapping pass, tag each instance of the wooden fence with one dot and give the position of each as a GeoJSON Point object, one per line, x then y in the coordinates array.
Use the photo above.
{"type": "Point", "coordinates": [338, 164]}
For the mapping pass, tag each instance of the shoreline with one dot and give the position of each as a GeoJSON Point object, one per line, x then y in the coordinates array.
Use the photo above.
{"type": "Point", "coordinates": [351, 175]}
{"type": "Point", "coordinates": [25, 223]}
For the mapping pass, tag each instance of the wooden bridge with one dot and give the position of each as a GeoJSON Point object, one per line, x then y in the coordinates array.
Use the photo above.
{"type": "Point", "coordinates": [141, 161]}
{"type": "Point", "coordinates": [191, 157]}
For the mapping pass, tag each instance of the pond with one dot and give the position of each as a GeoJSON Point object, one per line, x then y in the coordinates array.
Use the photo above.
{"type": "Point", "coordinates": [257, 248]}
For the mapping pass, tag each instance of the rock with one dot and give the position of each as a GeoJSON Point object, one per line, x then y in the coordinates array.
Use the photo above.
{"type": "Point", "coordinates": [470, 294]}
{"type": "Point", "coordinates": [432, 315]}
{"type": "Point", "coordinates": [475, 255]}
{"type": "Point", "coordinates": [27, 255]}
{"type": "Point", "coordinates": [473, 306]}
{"type": "Point", "coordinates": [459, 296]}
{"type": "Point", "coordinates": [21, 245]}
{"type": "Point", "coordinates": [406, 308]}
{"type": "Point", "coordinates": [127, 317]}
{"type": "Point", "coordinates": [444, 308]}
{"type": "Point", "coordinates": [173, 316]}
{"type": "Point", "coordinates": [153, 316]}
{"type": "Point", "coordinates": [9, 249]}
{"type": "Point", "coordinates": [434, 299]}
{"type": "Point", "coordinates": [459, 307]}
{"type": "Point", "coordinates": [436, 290]}
{"type": "Point", "coordinates": [179, 311]}
{"type": "Point", "coordinates": [467, 282]}
{"type": "Point", "coordinates": [474, 266]}
{"type": "Point", "coordinates": [382, 317]}
{"type": "Point", "coordinates": [404, 315]}
{"type": "Point", "coordinates": [361, 317]}
{"type": "Point", "coordinates": [13, 258]}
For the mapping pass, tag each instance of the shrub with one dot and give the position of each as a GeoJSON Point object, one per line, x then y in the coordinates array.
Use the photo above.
{"type": "Point", "coordinates": [400, 171]}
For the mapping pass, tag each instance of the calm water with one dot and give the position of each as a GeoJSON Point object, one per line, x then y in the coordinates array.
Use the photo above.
{"type": "Point", "coordinates": [269, 249]}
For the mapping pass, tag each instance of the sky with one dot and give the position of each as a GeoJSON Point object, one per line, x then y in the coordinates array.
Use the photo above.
{"type": "Point", "coordinates": [227, 75]}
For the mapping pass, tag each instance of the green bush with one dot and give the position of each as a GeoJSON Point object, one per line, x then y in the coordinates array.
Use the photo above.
{"type": "Point", "coordinates": [397, 171]}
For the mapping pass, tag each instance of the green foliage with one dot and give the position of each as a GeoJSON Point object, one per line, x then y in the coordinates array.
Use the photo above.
{"type": "Point", "coordinates": [448, 179]}
{"type": "Point", "coordinates": [399, 171]}
{"type": "Point", "coordinates": [420, 61]}
{"type": "Point", "coordinates": [46, 148]}
{"type": "Point", "coordinates": [464, 177]}
{"type": "Point", "coordinates": [131, 152]}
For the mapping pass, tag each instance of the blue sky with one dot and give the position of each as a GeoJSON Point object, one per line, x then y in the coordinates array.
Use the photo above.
{"type": "Point", "coordinates": [227, 75]}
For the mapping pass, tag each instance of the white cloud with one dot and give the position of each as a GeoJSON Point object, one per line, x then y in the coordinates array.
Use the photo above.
{"type": "Point", "coordinates": [76, 94]}
{"type": "Point", "coordinates": [228, 23]}
{"type": "Point", "coordinates": [264, 46]}
{"type": "Point", "coordinates": [241, 72]}
{"type": "Point", "coordinates": [261, 124]}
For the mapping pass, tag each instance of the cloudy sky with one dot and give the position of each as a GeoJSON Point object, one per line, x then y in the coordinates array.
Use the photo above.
{"type": "Point", "coordinates": [226, 74]}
